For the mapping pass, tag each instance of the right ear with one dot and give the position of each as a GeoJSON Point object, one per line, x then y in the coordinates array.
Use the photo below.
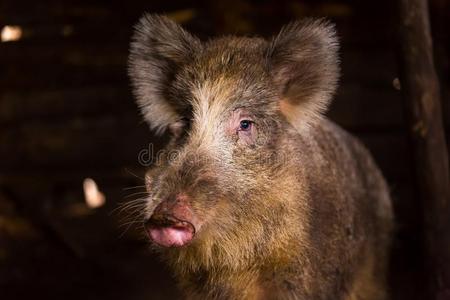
{"type": "Point", "coordinates": [159, 47]}
{"type": "Point", "coordinates": [305, 66]}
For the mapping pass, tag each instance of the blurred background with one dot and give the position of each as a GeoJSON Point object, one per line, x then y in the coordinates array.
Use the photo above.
{"type": "Point", "coordinates": [70, 134]}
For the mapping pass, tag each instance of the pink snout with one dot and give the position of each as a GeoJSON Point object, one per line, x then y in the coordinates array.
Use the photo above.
{"type": "Point", "coordinates": [172, 223]}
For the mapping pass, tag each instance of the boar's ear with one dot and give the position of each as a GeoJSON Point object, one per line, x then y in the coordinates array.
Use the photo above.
{"type": "Point", "coordinates": [158, 48]}
{"type": "Point", "coordinates": [304, 64]}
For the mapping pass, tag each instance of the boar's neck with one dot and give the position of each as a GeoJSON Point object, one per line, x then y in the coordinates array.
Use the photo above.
{"type": "Point", "coordinates": [250, 284]}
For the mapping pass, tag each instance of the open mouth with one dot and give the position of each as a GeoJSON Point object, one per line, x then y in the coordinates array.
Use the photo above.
{"type": "Point", "coordinates": [170, 233]}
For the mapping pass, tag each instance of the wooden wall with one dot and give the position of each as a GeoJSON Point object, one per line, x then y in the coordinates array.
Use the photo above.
{"type": "Point", "coordinates": [66, 113]}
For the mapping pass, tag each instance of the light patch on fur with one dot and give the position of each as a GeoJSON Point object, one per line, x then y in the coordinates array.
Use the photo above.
{"type": "Point", "coordinates": [208, 108]}
{"type": "Point", "coordinates": [299, 116]}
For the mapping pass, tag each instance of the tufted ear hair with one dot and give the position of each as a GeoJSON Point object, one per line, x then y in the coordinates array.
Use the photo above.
{"type": "Point", "coordinates": [304, 63]}
{"type": "Point", "coordinates": [159, 47]}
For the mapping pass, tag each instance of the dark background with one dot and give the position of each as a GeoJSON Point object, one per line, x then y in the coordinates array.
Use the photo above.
{"type": "Point", "coordinates": [66, 113]}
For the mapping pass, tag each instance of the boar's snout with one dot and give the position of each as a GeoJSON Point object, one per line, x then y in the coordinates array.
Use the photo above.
{"type": "Point", "coordinates": [172, 224]}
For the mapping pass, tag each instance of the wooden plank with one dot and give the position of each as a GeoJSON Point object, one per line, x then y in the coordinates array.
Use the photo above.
{"type": "Point", "coordinates": [102, 141]}
{"type": "Point", "coordinates": [54, 104]}
{"type": "Point", "coordinates": [362, 108]}
{"type": "Point", "coordinates": [66, 52]}
{"type": "Point", "coordinates": [55, 11]}
{"type": "Point", "coordinates": [23, 77]}
{"type": "Point", "coordinates": [422, 101]}
{"type": "Point", "coordinates": [212, 18]}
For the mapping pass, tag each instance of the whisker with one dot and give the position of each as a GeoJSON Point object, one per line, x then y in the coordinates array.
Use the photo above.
{"type": "Point", "coordinates": [131, 173]}
{"type": "Point", "coordinates": [135, 194]}
{"type": "Point", "coordinates": [129, 224]}
{"type": "Point", "coordinates": [128, 204]}
{"type": "Point", "coordinates": [133, 187]}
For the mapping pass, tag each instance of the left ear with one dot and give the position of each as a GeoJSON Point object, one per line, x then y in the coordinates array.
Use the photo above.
{"type": "Point", "coordinates": [158, 49]}
{"type": "Point", "coordinates": [304, 64]}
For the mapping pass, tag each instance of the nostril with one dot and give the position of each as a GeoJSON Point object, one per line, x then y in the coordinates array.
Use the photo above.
{"type": "Point", "coordinates": [160, 220]}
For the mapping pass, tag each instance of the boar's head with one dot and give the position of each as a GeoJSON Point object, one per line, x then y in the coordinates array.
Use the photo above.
{"type": "Point", "coordinates": [227, 183]}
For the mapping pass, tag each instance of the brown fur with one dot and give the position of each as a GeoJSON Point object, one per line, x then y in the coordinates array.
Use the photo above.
{"type": "Point", "coordinates": [297, 209]}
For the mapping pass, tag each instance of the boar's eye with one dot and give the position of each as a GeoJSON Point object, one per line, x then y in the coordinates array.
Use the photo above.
{"type": "Point", "coordinates": [247, 131]}
{"type": "Point", "coordinates": [245, 125]}
{"type": "Point", "coordinates": [241, 126]}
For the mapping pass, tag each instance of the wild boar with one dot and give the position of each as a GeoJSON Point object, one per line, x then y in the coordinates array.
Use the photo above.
{"type": "Point", "coordinates": [261, 196]}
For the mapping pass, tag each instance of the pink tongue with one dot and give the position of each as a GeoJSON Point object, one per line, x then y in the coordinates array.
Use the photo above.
{"type": "Point", "coordinates": [171, 236]}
